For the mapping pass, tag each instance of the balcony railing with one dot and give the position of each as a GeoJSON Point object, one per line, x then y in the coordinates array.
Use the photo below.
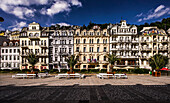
{"type": "Point", "coordinates": [34, 37]}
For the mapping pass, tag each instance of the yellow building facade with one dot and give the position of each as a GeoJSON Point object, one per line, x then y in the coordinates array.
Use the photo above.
{"type": "Point", "coordinates": [91, 47]}
{"type": "Point", "coordinates": [34, 40]}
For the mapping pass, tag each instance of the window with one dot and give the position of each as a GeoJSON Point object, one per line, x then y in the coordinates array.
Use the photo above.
{"type": "Point", "coordinates": [97, 41]}
{"type": "Point", "coordinates": [69, 41]}
{"type": "Point", "coordinates": [14, 50]}
{"type": "Point", "coordinates": [2, 50]}
{"type": "Point", "coordinates": [56, 49]}
{"type": "Point", "coordinates": [90, 41]}
{"type": "Point", "coordinates": [69, 50]}
{"type": "Point", "coordinates": [84, 41]}
{"type": "Point", "coordinates": [84, 33]}
{"type": "Point", "coordinates": [90, 49]}
{"type": "Point", "coordinates": [14, 64]}
{"type": "Point", "coordinates": [44, 42]}
{"type": "Point", "coordinates": [33, 27]}
{"type": "Point", "coordinates": [84, 50]}
{"type": "Point", "coordinates": [2, 57]}
{"type": "Point", "coordinates": [18, 50]}
{"type": "Point", "coordinates": [10, 57]}
{"type": "Point", "coordinates": [77, 49]}
{"type": "Point", "coordinates": [84, 66]}
{"type": "Point", "coordinates": [25, 42]}
{"type": "Point", "coordinates": [56, 58]}
{"type": "Point", "coordinates": [104, 58]}
{"type": "Point", "coordinates": [14, 58]}
{"type": "Point", "coordinates": [84, 58]}
{"type": "Point", "coordinates": [97, 49]}
{"type": "Point", "coordinates": [6, 50]}
{"type": "Point", "coordinates": [41, 42]}
{"type": "Point", "coordinates": [36, 42]}
{"type": "Point", "coordinates": [10, 50]}
{"type": "Point", "coordinates": [104, 49]}
{"type": "Point", "coordinates": [18, 57]}
{"type": "Point", "coordinates": [98, 58]}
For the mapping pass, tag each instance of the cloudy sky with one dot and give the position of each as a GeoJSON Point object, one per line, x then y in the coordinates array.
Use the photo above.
{"type": "Point", "coordinates": [19, 13]}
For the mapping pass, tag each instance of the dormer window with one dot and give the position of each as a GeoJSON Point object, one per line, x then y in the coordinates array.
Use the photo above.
{"type": "Point", "coordinates": [4, 44]}
{"type": "Point", "coordinates": [31, 34]}
{"type": "Point", "coordinates": [10, 44]}
{"type": "Point", "coordinates": [16, 44]}
{"type": "Point", "coordinates": [33, 27]}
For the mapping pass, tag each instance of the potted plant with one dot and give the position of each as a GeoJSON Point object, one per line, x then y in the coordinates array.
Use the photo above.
{"type": "Point", "coordinates": [157, 62]}
{"type": "Point", "coordinates": [71, 61]}
{"type": "Point", "coordinates": [112, 59]}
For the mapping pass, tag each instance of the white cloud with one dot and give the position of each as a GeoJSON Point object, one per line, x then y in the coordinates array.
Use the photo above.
{"type": "Point", "coordinates": [159, 8]}
{"type": "Point", "coordinates": [139, 15]}
{"type": "Point", "coordinates": [60, 6]}
{"type": "Point", "coordinates": [158, 12]}
{"type": "Point", "coordinates": [139, 20]}
{"type": "Point", "coordinates": [57, 7]}
{"type": "Point", "coordinates": [18, 25]}
{"type": "Point", "coordinates": [24, 8]}
{"type": "Point", "coordinates": [63, 24]}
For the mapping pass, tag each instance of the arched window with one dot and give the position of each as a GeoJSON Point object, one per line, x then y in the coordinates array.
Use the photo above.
{"type": "Point", "coordinates": [10, 44]}
{"type": "Point", "coordinates": [84, 41]}
{"type": "Point", "coordinates": [97, 41]}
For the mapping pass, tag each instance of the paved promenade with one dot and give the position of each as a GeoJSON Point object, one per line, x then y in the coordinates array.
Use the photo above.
{"type": "Point", "coordinates": [135, 89]}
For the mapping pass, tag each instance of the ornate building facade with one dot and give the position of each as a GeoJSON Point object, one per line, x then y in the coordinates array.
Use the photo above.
{"type": "Point", "coordinates": [34, 40]}
{"type": "Point", "coordinates": [152, 41]}
{"type": "Point", "coordinates": [124, 43]}
{"type": "Point", "coordinates": [91, 47]}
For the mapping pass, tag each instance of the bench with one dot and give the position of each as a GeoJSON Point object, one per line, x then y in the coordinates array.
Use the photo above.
{"type": "Point", "coordinates": [76, 75]}
{"type": "Point", "coordinates": [20, 75]}
{"type": "Point", "coordinates": [42, 75]}
{"type": "Point", "coordinates": [23, 75]}
{"type": "Point", "coordinates": [120, 76]}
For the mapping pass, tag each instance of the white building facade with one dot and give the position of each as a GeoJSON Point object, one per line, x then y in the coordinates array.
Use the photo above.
{"type": "Point", "coordinates": [124, 43]}
{"type": "Point", "coordinates": [10, 55]}
{"type": "Point", "coordinates": [152, 41]}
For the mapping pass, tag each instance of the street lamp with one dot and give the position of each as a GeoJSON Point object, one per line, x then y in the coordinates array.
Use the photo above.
{"type": "Point", "coordinates": [1, 19]}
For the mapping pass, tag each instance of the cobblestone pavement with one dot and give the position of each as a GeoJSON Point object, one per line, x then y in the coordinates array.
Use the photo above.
{"type": "Point", "coordinates": [137, 88]}
{"type": "Point", "coordinates": [86, 94]}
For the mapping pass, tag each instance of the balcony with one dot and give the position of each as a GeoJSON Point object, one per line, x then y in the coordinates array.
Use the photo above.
{"type": "Point", "coordinates": [94, 61]}
{"type": "Point", "coordinates": [34, 37]}
{"type": "Point", "coordinates": [43, 46]}
{"type": "Point", "coordinates": [134, 48]}
{"type": "Point", "coordinates": [164, 41]}
{"type": "Point", "coordinates": [43, 63]}
{"type": "Point", "coordinates": [24, 46]}
{"type": "Point", "coordinates": [42, 54]}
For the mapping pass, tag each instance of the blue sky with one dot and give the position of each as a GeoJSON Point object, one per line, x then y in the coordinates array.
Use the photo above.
{"type": "Point", "coordinates": [20, 13]}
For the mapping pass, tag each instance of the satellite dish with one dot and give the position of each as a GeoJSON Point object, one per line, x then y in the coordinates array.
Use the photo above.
{"type": "Point", "coordinates": [1, 19]}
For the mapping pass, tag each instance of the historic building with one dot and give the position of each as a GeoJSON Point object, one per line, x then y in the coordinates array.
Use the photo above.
{"type": "Point", "coordinates": [62, 46]}
{"type": "Point", "coordinates": [10, 55]}
{"type": "Point", "coordinates": [91, 47]}
{"type": "Point", "coordinates": [14, 35]}
{"type": "Point", "coordinates": [34, 40]}
{"type": "Point", "coordinates": [2, 40]}
{"type": "Point", "coordinates": [124, 43]}
{"type": "Point", "coordinates": [168, 32]}
{"type": "Point", "coordinates": [152, 41]}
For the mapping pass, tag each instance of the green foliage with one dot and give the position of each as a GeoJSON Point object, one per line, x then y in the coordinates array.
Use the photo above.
{"type": "Point", "coordinates": [71, 61]}
{"type": "Point", "coordinates": [94, 70]}
{"type": "Point", "coordinates": [112, 58]}
{"type": "Point", "coordinates": [76, 70]}
{"type": "Point", "coordinates": [83, 71]}
{"type": "Point", "coordinates": [64, 71]}
{"type": "Point", "coordinates": [164, 24]}
{"type": "Point", "coordinates": [103, 70]}
{"type": "Point", "coordinates": [26, 70]}
{"type": "Point", "coordinates": [54, 71]}
{"type": "Point", "coordinates": [158, 61]}
{"type": "Point", "coordinates": [32, 59]}
{"type": "Point", "coordinates": [44, 71]}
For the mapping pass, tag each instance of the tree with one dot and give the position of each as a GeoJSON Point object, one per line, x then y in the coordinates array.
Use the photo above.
{"type": "Point", "coordinates": [32, 59]}
{"type": "Point", "coordinates": [112, 59]}
{"type": "Point", "coordinates": [158, 61]}
{"type": "Point", "coordinates": [71, 61]}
